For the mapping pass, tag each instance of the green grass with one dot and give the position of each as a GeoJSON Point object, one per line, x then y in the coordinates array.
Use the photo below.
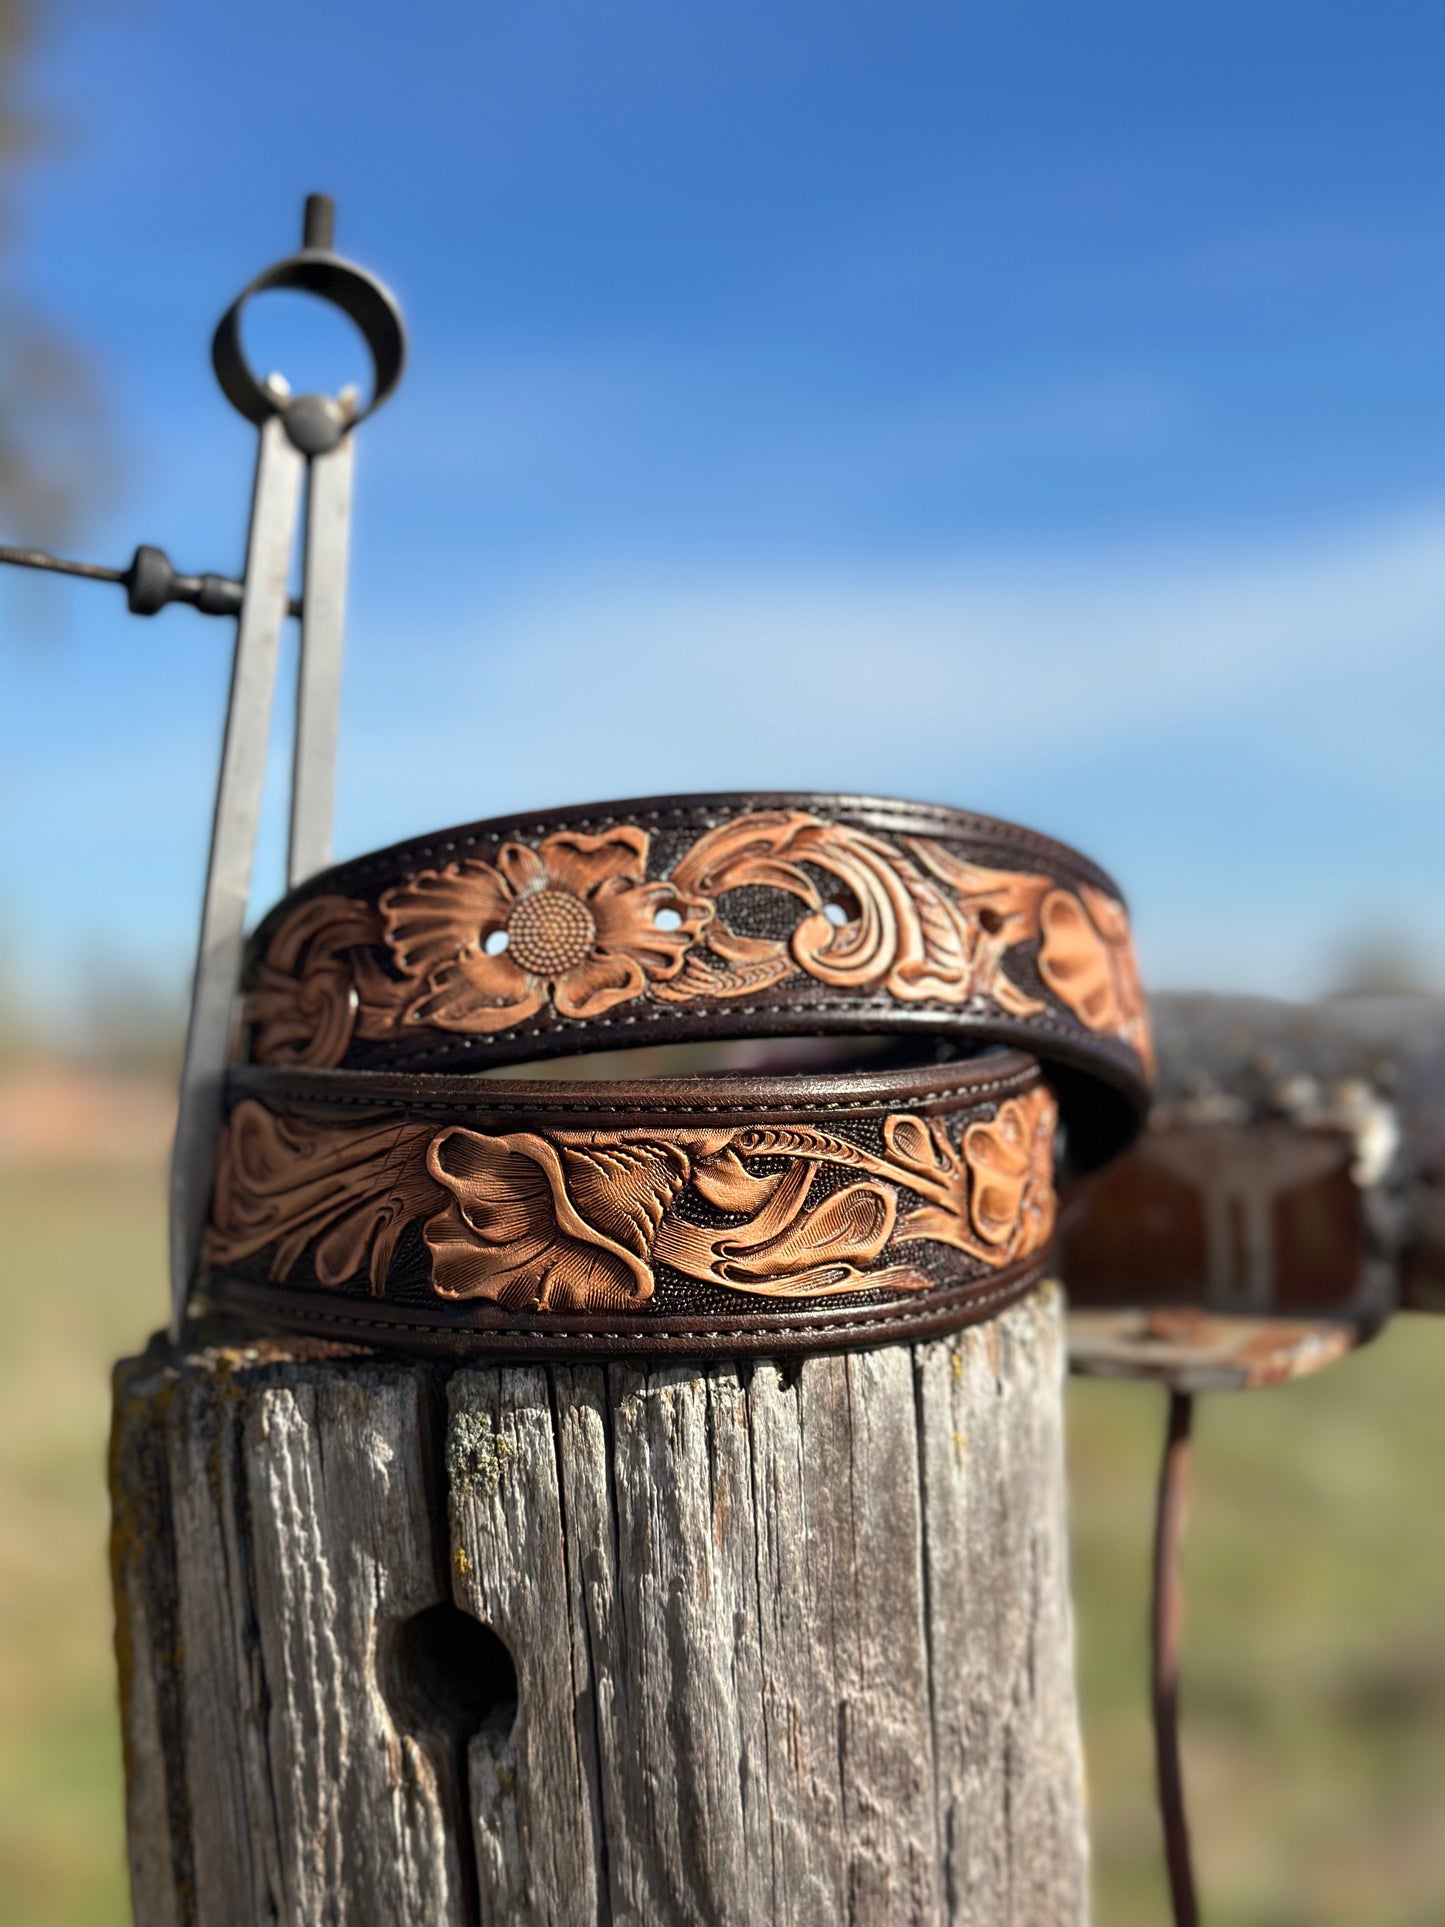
{"type": "Point", "coordinates": [1315, 1639]}
{"type": "Point", "coordinates": [1314, 1693]}
{"type": "Point", "coordinates": [83, 1280]}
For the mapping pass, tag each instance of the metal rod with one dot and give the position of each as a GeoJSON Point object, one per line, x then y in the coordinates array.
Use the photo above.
{"type": "Point", "coordinates": [38, 559]}
{"type": "Point", "coordinates": [318, 223]}
{"type": "Point", "coordinates": [149, 580]}
{"type": "Point", "coordinates": [1166, 1629]}
{"type": "Point", "coordinates": [318, 662]}
{"type": "Point", "coordinates": [233, 841]}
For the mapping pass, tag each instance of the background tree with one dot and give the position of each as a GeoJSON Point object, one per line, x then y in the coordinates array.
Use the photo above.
{"type": "Point", "coordinates": [53, 457]}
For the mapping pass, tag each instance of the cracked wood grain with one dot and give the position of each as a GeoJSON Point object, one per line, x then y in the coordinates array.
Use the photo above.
{"type": "Point", "coordinates": [792, 1645]}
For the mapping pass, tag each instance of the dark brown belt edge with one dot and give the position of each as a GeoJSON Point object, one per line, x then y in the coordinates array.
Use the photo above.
{"type": "Point", "coordinates": [679, 1217]}
{"type": "Point", "coordinates": [267, 1311]}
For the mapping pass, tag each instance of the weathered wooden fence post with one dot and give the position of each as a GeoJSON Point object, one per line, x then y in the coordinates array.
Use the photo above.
{"type": "Point", "coordinates": [745, 1644]}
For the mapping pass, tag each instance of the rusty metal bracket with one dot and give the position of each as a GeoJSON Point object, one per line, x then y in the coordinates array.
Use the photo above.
{"type": "Point", "coordinates": [1287, 1199]}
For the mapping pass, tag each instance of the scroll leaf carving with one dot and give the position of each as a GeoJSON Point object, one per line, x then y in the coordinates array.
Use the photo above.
{"type": "Point", "coordinates": [903, 933]}
{"type": "Point", "coordinates": [702, 979]}
{"type": "Point", "coordinates": [319, 983]}
{"type": "Point", "coordinates": [578, 1221]}
{"type": "Point", "coordinates": [284, 1184]}
{"type": "Point", "coordinates": [1002, 909]}
{"type": "Point", "coordinates": [907, 935]}
{"type": "Point", "coordinates": [789, 1250]}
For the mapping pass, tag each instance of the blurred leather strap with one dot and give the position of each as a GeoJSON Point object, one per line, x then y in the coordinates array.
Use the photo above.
{"type": "Point", "coordinates": [690, 1215]}
{"type": "Point", "coordinates": [675, 919]}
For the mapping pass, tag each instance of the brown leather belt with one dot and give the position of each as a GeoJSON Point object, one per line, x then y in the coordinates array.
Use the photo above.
{"type": "Point", "coordinates": [666, 1215]}
{"type": "Point", "coordinates": [670, 920]}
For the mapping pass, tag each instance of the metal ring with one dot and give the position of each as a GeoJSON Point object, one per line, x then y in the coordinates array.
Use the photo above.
{"type": "Point", "coordinates": [367, 301]}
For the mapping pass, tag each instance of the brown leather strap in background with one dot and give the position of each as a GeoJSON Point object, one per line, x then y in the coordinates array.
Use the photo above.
{"type": "Point", "coordinates": [675, 919]}
{"type": "Point", "coordinates": [672, 1215]}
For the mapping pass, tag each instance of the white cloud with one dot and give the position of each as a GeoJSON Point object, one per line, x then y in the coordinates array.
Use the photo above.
{"type": "Point", "coordinates": [1247, 736]}
{"type": "Point", "coordinates": [748, 677]}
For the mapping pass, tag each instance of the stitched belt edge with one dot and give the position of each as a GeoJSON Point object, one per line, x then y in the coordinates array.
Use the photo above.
{"type": "Point", "coordinates": [311, 1314]}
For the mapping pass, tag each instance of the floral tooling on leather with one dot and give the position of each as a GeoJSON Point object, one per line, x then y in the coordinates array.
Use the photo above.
{"type": "Point", "coordinates": [576, 1221]}
{"type": "Point", "coordinates": [575, 928]}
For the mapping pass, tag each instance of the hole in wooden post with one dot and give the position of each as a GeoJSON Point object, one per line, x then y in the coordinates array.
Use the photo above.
{"type": "Point", "coordinates": [442, 1669]}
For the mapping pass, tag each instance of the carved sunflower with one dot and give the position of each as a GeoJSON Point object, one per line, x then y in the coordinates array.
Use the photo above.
{"type": "Point", "coordinates": [573, 921]}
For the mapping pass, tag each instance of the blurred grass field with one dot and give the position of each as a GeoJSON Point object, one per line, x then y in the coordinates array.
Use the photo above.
{"type": "Point", "coordinates": [1315, 1642]}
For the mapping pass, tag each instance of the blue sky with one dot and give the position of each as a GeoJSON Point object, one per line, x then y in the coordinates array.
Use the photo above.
{"type": "Point", "coordinates": [1035, 408]}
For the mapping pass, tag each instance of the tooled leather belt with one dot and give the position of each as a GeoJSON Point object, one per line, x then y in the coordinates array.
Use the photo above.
{"type": "Point", "coordinates": [722, 1213]}
{"type": "Point", "coordinates": [692, 917]}
{"type": "Point", "coordinates": [365, 1189]}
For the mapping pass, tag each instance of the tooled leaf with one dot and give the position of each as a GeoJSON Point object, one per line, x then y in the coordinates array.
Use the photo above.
{"type": "Point", "coordinates": [284, 1183]}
